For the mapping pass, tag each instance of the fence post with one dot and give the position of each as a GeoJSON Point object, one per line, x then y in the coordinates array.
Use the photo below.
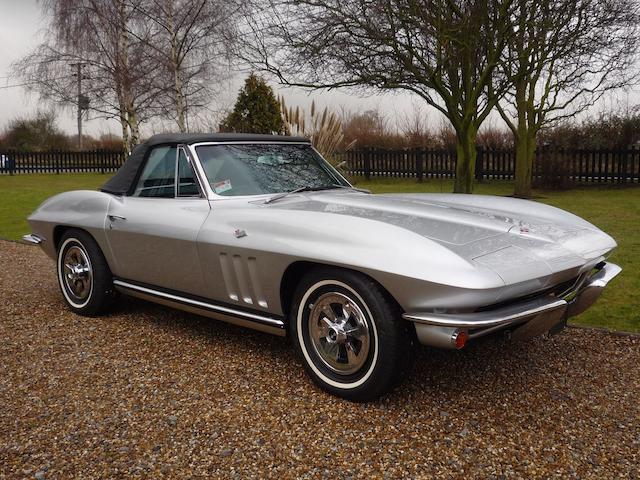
{"type": "Point", "coordinates": [622, 176]}
{"type": "Point", "coordinates": [103, 158]}
{"type": "Point", "coordinates": [367, 163]}
{"type": "Point", "coordinates": [419, 156]}
{"type": "Point", "coordinates": [479, 163]}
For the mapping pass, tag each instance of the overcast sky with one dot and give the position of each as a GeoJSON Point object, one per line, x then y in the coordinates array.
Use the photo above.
{"type": "Point", "coordinates": [21, 26]}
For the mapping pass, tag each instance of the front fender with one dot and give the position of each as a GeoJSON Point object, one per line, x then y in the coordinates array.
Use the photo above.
{"type": "Point", "coordinates": [84, 209]}
{"type": "Point", "coordinates": [417, 271]}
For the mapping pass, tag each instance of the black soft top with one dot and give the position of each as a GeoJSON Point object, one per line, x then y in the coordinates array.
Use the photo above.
{"type": "Point", "coordinates": [124, 178]}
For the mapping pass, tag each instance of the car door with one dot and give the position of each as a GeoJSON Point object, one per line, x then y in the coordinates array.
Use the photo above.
{"type": "Point", "coordinates": [152, 232]}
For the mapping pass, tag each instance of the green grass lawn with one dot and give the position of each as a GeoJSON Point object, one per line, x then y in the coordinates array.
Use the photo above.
{"type": "Point", "coordinates": [616, 211]}
{"type": "Point", "coordinates": [21, 194]}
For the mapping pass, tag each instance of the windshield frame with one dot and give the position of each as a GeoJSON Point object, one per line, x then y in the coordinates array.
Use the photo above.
{"type": "Point", "coordinates": [211, 195]}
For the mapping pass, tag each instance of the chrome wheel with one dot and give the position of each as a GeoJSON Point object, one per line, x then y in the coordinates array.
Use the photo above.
{"type": "Point", "coordinates": [339, 333]}
{"type": "Point", "coordinates": [85, 279]}
{"type": "Point", "coordinates": [77, 274]}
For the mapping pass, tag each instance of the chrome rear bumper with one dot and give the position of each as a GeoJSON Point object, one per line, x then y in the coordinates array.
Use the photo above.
{"type": "Point", "coordinates": [527, 319]}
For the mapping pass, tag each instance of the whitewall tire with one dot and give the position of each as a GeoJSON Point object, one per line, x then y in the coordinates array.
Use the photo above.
{"type": "Point", "coordinates": [84, 277]}
{"type": "Point", "coordinates": [349, 334]}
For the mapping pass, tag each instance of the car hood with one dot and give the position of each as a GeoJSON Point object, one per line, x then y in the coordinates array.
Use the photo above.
{"type": "Point", "coordinates": [507, 235]}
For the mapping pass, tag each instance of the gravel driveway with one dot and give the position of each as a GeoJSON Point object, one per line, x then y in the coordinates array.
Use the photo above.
{"type": "Point", "coordinates": [151, 392]}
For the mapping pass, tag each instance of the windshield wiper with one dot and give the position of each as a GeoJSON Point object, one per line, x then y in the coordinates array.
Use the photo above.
{"type": "Point", "coordinates": [311, 189]}
{"type": "Point", "coordinates": [284, 194]}
{"type": "Point", "coordinates": [349, 187]}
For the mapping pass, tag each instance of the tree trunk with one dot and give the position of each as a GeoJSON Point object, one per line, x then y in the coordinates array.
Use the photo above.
{"type": "Point", "coordinates": [524, 135]}
{"type": "Point", "coordinates": [122, 117]}
{"type": "Point", "coordinates": [179, 99]}
{"type": "Point", "coordinates": [134, 126]}
{"type": "Point", "coordinates": [466, 159]}
{"type": "Point", "coordinates": [126, 88]}
{"type": "Point", "coordinates": [126, 144]}
{"type": "Point", "coordinates": [180, 103]}
{"type": "Point", "coordinates": [525, 155]}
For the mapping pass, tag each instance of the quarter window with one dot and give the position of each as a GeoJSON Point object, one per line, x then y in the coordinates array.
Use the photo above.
{"type": "Point", "coordinates": [187, 186]}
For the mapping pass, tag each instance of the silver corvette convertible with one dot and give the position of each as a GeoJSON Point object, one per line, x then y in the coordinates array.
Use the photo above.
{"type": "Point", "coordinates": [262, 232]}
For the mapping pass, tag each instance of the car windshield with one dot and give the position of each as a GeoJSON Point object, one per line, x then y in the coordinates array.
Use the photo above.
{"type": "Point", "coordinates": [239, 169]}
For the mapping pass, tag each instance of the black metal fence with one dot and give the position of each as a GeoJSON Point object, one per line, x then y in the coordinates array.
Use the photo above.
{"type": "Point", "coordinates": [102, 161]}
{"type": "Point", "coordinates": [556, 166]}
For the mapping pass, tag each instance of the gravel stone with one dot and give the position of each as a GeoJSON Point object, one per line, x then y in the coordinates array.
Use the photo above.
{"type": "Point", "coordinates": [93, 398]}
{"type": "Point", "coordinates": [172, 420]}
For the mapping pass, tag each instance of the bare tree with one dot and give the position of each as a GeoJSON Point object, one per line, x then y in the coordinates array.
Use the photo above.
{"type": "Point", "coordinates": [96, 34]}
{"type": "Point", "coordinates": [189, 40]}
{"type": "Point", "coordinates": [562, 56]}
{"type": "Point", "coordinates": [415, 128]}
{"type": "Point", "coordinates": [370, 129]}
{"type": "Point", "coordinates": [445, 51]}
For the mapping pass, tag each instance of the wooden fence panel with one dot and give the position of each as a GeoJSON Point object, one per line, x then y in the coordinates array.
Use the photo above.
{"type": "Point", "coordinates": [576, 166]}
{"type": "Point", "coordinates": [12, 163]}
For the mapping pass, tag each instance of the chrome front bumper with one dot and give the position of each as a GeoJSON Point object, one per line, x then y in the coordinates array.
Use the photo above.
{"type": "Point", "coordinates": [33, 238]}
{"type": "Point", "coordinates": [525, 319]}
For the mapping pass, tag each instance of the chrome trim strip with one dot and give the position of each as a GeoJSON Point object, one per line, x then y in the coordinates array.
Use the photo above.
{"type": "Point", "coordinates": [206, 306]}
{"type": "Point", "coordinates": [200, 173]}
{"type": "Point", "coordinates": [604, 276]}
{"type": "Point", "coordinates": [333, 169]}
{"type": "Point", "coordinates": [33, 239]}
{"type": "Point", "coordinates": [503, 316]}
{"type": "Point", "coordinates": [248, 142]}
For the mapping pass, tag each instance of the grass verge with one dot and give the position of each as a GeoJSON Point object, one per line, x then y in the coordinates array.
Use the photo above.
{"type": "Point", "coordinates": [21, 194]}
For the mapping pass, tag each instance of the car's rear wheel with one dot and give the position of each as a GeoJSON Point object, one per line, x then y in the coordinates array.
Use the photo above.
{"type": "Point", "coordinates": [83, 274]}
{"type": "Point", "coordinates": [349, 334]}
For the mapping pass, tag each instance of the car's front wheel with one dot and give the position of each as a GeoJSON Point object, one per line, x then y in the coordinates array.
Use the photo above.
{"type": "Point", "coordinates": [349, 334]}
{"type": "Point", "coordinates": [83, 274]}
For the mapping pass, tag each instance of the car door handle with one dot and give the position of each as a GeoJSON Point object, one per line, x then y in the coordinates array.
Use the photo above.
{"type": "Point", "coordinates": [116, 217]}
